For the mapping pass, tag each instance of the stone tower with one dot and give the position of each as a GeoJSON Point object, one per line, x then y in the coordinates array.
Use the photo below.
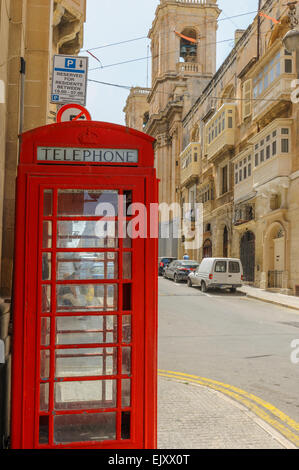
{"type": "Point", "coordinates": [183, 50]}
{"type": "Point", "coordinates": [181, 69]}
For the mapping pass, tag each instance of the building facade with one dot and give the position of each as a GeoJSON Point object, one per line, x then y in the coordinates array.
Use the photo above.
{"type": "Point", "coordinates": [230, 141]}
{"type": "Point", "coordinates": [31, 31]}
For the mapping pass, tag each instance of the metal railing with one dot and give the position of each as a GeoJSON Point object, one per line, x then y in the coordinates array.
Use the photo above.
{"type": "Point", "coordinates": [275, 279]}
{"type": "Point", "coordinates": [199, 2]}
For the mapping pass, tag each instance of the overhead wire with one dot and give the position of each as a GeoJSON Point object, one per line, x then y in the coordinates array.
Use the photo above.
{"type": "Point", "coordinates": [156, 56]}
{"type": "Point", "coordinates": [127, 87]}
{"type": "Point", "coordinates": [168, 32]}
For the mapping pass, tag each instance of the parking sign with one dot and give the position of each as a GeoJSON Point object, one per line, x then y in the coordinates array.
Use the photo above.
{"type": "Point", "coordinates": [69, 79]}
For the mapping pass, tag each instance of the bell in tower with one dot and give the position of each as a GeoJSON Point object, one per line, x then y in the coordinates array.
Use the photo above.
{"type": "Point", "coordinates": [188, 46]}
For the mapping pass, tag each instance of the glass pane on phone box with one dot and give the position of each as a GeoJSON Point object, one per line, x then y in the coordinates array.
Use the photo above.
{"type": "Point", "coordinates": [87, 394]}
{"type": "Point", "coordinates": [85, 362]}
{"type": "Point", "coordinates": [79, 202]}
{"type": "Point", "coordinates": [46, 299]}
{"type": "Point", "coordinates": [87, 265]}
{"type": "Point", "coordinates": [46, 266]}
{"type": "Point", "coordinates": [86, 330]}
{"type": "Point", "coordinates": [82, 297]}
{"type": "Point", "coordinates": [86, 234]}
{"type": "Point", "coordinates": [127, 265]}
{"type": "Point", "coordinates": [45, 331]}
{"type": "Point", "coordinates": [44, 397]}
{"type": "Point", "coordinates": [84, 427]}
{"type": "Point", "coordinates": [126, 361]}
{"type": "Point", "coordinates": [47, 234]}
{"type": "Point", "coordinates": [45, 363]}
{"type": "Point", "coordinates": [126, 329]}
{"type": "Point", "coordinates": [48, 202]}
{"type": "Point", "coordinates": [125, 393]}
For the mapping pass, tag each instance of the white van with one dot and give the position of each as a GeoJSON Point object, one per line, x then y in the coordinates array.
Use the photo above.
{"type": "Point", "coordinates": [217, 272]}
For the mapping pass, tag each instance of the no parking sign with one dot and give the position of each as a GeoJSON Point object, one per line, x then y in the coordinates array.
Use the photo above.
{"type": "Point", "coordinates": [72, 112]}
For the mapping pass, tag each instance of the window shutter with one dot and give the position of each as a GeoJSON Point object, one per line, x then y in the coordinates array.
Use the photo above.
{"type": "Point", "coordinates": [247, 98]}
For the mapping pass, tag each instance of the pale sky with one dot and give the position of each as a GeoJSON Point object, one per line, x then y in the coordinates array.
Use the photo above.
{"type": "Point", "coordinates": [116, 21]}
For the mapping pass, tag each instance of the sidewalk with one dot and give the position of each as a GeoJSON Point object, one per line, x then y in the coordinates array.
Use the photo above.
{"type": "Point", "coordinates": [195, 417]}
{"type": "Point", "coordinates": [288, 301]}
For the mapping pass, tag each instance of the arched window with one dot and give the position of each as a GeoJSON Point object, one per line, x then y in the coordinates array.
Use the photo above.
{"type": "Point", "coordinates": [188, 49]}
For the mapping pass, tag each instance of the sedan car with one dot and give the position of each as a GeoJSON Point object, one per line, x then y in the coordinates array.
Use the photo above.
{"type": "Point", "coordinates": [180, 269]}
{"type": "Point", "coordinates": [163, 262]}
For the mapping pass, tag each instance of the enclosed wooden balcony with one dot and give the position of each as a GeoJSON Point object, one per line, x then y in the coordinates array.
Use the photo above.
{"type": "Point", "coordinates": [220, 131]}
{"type": "Point", "coordinates": [190, 164]}
{"type": "Point", "coordinates": [272, 149]}
{"type": "Point", "coordinates": [272, 84]}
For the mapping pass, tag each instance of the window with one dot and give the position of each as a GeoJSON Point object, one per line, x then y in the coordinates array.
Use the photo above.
{"type": "Point", "coordinates": [284, 145]}
{"type": "Point", "coordinates": [233, 267]}
{"type": "Point", "coordinates": [288, 66]}
{"type": "Point", "coordinates": [220, 267]}
{"type": "Point", "coordinates": [224, 174]}
{"type": "Point", "coordinates": [243, 169]}
{"type": "Point", "coordinates": [247, 95]}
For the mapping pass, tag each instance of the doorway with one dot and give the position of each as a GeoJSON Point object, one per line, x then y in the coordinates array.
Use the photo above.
{"type": "Point", "coordinates": [247, 256]}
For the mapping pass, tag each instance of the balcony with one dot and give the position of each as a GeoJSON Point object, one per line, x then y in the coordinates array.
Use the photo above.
{"type": "Point", "coordinates": [272, 152]}
{"type": "Point", "coordinates": [190, 164]}
{"type": "Point", "coordinates": [243, 214]}
{"type": "Point", "coordinates": [188, 68]}
{"type": "Point", "coordinates": [271, 83]}
{"type": "Point", "coordinates": [220, 132]}
{"type": "Point", "coordinates": [273, 97]}
{"type": "Point", "coordinates": [243, 177]}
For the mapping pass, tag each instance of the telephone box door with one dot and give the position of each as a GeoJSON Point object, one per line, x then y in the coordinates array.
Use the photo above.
{"type": "Point", "coordinates": [83, 379]}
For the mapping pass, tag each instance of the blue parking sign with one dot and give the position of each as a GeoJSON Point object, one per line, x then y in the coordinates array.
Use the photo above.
{"type": "Point", "coordinates": [70, 63]}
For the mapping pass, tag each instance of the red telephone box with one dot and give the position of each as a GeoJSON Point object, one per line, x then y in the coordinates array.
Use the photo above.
{"type": "Point", "coordinates": [85, 289]}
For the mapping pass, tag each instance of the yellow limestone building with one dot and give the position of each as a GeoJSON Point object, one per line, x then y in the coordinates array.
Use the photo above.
{"type": "Point", "coordinates": [228, 139]}
{"type": "Point", "coordinates": [180, 70]}
{"type": "Point", "coordinates": [33, 30]}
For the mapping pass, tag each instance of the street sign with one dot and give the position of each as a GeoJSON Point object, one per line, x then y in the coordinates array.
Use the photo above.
{"type": "Point", "coordinates": [69, 79]}
{"type": "Point", "coordinates": [72, 112]}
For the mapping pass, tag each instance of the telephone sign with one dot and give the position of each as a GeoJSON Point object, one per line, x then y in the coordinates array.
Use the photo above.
{"type": "Point", "coordinates": [85, 290]}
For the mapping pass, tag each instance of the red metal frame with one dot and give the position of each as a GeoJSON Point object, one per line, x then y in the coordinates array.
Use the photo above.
{"type": "Point", "coordinates": [33, 178]}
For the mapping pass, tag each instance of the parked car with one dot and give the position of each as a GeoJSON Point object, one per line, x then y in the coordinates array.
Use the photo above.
{"type": "Point", "coordinates": [178, 270]}
{"type": "Point", "coordinates": [163, 262]}
{"type": "Point", "coordinates": [217, 272]}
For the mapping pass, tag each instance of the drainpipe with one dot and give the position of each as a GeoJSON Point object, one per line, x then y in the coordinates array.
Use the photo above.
{"type": "Point", "coordinates": [259, 30]}
{"type": "Point", "coordinates": [22, 96]}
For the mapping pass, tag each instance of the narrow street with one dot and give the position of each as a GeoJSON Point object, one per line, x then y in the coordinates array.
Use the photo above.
{"type": "Point", "coordinates": [232, 339]}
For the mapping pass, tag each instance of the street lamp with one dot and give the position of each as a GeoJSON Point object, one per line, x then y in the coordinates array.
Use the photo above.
{"type": "Point", "coordinates": [291, 39]}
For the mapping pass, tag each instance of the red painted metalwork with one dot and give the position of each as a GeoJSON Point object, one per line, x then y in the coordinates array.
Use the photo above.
{"type": "Point", "coordinates": [85, 303]}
